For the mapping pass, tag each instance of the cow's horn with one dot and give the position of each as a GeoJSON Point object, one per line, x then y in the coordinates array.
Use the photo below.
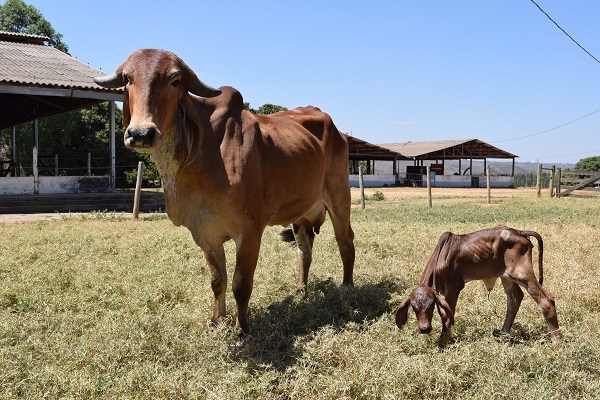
{"type": "Point", "coordinates": [110, 81]}
{"type": "Point", "coordinates": [200, 88]}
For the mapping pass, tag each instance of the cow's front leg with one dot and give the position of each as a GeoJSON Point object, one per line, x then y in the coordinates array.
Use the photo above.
{"type": "Point", "coordinates": [215, 259]}
{"type": "Point", "coordinates": [247, 249]}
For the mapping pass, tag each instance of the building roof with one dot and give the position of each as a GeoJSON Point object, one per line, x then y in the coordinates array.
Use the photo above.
{"type": "Point", "coordinates": [448, 149]}
{"type": "Point", "coordinates": [361, 150]}
{"type": "Point", "coordinates": [38, 80]}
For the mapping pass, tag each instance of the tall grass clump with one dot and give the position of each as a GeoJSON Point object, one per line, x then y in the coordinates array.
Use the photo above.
{"type": "Point", "coordinates": [106, 307]}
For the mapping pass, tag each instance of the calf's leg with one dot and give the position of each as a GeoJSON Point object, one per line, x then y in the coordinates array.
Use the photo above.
{"type": "Point", "coordinates": [514, 296]}
{"type": "Point", "coordinates": [545, 300]}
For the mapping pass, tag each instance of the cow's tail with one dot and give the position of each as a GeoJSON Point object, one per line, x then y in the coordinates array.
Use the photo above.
{"type": "Point", "coordinates": [287, 235]}
{"type": "Point", "coordinates": [540, 252]}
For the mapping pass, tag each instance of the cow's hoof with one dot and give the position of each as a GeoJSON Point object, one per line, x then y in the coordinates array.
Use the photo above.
{"type": "Point", "coordinates": [499, 333]}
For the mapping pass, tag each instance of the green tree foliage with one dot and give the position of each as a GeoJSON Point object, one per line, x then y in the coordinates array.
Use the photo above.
{"type": "Point", "coordinates": [70, 135]}
{"type": "Point", "coordinates": [265, 108]}
{"type": "Point", "coordinates": [588, 164]}
{"type": "Point", "coordinates": [16, 16]}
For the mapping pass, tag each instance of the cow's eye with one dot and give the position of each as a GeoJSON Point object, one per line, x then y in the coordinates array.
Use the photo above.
{"type": "Point", "coordinates": [126, 79]}
{"type": "Point", "coordinates": [175, 83]}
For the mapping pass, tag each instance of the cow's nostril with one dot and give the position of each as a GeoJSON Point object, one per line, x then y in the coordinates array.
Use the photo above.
{"type": "Point", "coordinates": [144, 135]}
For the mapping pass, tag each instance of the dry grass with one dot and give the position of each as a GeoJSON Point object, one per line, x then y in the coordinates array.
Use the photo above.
{"type": "Point", "coordinates": [103, 307]}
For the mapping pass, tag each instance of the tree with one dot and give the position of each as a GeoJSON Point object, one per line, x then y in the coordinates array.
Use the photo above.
{"type": "Point", "coordinates": [588, 164]}
{"type": "Point", "coordinates": [265, 108]}
{"type": "Point", "coordinates": [16, 16]}
{"type": "Point", "coordinates": [69, 135]}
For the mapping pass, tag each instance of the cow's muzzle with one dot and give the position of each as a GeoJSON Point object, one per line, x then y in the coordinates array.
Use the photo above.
{"type": "Point", "coordinates": [140, 136]}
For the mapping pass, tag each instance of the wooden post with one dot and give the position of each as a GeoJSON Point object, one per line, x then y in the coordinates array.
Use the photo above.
{"type": "Point", "coordinates": [361, 184]}
{"type": "Point", "coordinates": [56, 165]}
{"type": "Point", "coordinates": [538, 182]}
{"type": "Point", "coordinates": [429, 185]}
{"type": "Point", "coordinates": [111, 146]}
{"type": "Point", "coordinates": [558, 178]}
{"type": "Point", "coordinates": [36, 143]}
{"type": "Point", "coordinates": [14, 151]}
{"type": "Point", "coordinates": [489, 185]}
{"type": "Point", "coordinates": [89, 164]}
{"type": "Point", "coordinates": [138, 190]}
{"type": "Point", "coordinates": [36, 175]}
{"type": "Point", "coordinates": [551, 184]}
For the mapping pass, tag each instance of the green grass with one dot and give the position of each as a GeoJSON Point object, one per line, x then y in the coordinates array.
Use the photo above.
{"type": "Point", "coordinates": [105, 307]}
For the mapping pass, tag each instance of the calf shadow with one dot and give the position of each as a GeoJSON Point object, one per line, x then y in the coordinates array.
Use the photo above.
{"type": "Point", "coordinates": [280, 332]}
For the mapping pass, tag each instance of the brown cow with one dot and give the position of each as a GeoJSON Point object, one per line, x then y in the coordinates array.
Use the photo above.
{"type": "Point", "coordinates": [486, 255]}
{"type": "Point", "coordinates": [228, 173]}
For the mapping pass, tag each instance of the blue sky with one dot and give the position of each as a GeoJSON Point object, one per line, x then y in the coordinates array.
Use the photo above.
{"type": "Point", "coordinates": [386, 71]}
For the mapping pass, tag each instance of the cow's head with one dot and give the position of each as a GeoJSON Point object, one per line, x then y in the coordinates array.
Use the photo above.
{"type": "Point", "coordinates": [423, 299]}
{"type": "Point", "coordinates": [156, 83]}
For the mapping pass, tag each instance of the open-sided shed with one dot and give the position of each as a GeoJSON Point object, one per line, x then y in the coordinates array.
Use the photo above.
{"type": "Point", "coordinates": [440, 151]}
{"type": "Point", "coordinates": [38, 81]}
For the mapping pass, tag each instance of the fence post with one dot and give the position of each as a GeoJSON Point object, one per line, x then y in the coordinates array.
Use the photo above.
{"type": "Point", "coordinates": [56, 165]}
{"type": "Point", "coordinates": [558, 178]}
{"type": "Point", "coordinates": [538, 182]}
{"type": "Point", "coordinates": [89, 164]}
{"type": "Point", "coordinates": [551, 183]}
{"type": "Point", "coordinates": [429, 185]}
{"type": "Point", "coordinates": [138, 190]}
{"type": "Point", "coordinates": [361, 185]}
{"type": "Point", "coordinates": [489, 185]}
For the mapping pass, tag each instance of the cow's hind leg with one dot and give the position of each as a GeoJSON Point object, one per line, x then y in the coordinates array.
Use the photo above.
{"type": "Point", "coordinates": [344, 236]}
{"type": "Point", "coordinates": [215, 259]}
{"type": "Point", "coordinates": [305, 237]}
{"type": "Point", "coordinates": [514, 296]}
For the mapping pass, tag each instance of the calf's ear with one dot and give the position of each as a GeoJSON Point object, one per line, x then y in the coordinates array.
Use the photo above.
{"type": "Point", "coordinates": [444, 310]}
{"type": "Point", "coordinates": [402, 313]}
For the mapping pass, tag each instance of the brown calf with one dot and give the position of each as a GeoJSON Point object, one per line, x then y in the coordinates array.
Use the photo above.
{"type": "Point", "coordinates": [486, 255]}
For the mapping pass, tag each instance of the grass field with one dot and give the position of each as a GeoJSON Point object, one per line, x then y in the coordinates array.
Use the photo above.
{"type": "Point", "coordinates": [100, 306]}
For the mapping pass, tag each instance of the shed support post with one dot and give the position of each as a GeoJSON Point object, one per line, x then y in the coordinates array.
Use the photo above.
{"type": "Point", "coordinates": [34, 162]}
{"type": "Point", "coordinates": [14, 151]}
{"type": "Point", "coordinates": [111, 146]}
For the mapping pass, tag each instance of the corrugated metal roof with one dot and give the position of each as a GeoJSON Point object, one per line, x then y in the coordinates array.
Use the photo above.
{"type": "Point", "coordinates": [359, 150]}
{"type": "Point", "coordinates": [448, 149]}
{"type": "Point", "coordinates": [27, 64]}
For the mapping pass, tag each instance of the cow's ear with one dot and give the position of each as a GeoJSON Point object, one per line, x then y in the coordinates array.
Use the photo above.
{"type": "Point", "coordinates": [402, 313]}
{"type": "Point", "coordinates": [444, 310]}
{"type": "Point", "coordinates": [126, 115]}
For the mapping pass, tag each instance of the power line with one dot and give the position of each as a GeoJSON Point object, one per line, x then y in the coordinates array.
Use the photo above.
{"type": "Point", "coordinates": [548, 130]}
{"type": "Point", "coordinates": [572, 154]}
{"type": "Point", "coordinates": [565, 32]}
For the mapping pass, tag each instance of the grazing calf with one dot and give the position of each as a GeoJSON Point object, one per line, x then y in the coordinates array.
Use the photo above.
{"type": "Point", "coordinates": [486, 255]}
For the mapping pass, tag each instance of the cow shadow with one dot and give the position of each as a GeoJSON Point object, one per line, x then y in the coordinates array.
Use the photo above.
{"type": "Point", "coordinates": [281, 331]}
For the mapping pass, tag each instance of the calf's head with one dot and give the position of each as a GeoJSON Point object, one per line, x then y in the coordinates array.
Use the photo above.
{"type": "Point", "coordinates": [423, 299]}
{"type": "Point", "coordinates": [156, 83]}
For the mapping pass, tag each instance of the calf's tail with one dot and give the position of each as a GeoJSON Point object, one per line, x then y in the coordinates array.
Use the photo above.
{"type": "Point", "coordinates": [538, 237]}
